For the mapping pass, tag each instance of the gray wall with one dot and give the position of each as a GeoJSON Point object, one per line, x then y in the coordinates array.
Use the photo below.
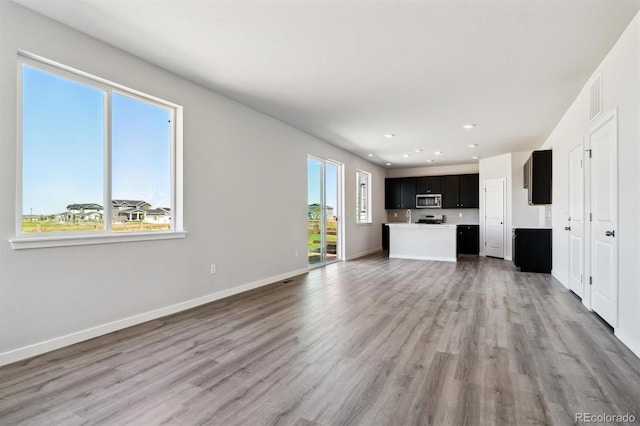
{"type": "Point", "coordinates": [621, 90]}
{"type": "Point", "coordinates": [56, 296]}
{"type": "Point", "coordinates": [523, 214]}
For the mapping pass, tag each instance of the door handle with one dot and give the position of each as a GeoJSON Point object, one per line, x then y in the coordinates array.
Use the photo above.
{"type": "Point", "coordinates": [567, 228]}
{"type": "Point", "coordinates": [610, 233]}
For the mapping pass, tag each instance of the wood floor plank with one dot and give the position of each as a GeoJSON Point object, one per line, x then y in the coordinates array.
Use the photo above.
{"type": "Point", "coordinates": [374, 341]}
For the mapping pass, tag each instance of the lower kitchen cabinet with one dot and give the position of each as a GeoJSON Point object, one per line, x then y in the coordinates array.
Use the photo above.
{"type": "Point", "coordinates": [468, 239]}
{"type": "Point", "coordinates": [532, 249]}
{"type": "Point", "coordinates": [385, 237]}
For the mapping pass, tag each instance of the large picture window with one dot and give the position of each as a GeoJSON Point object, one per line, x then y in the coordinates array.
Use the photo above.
{"type": "Point", "coordinates": [96, 158]}
{"type": "Point", "coordinates": [363, 197]}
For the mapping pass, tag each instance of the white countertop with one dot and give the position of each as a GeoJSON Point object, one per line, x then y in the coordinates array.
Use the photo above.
{"type": "Point", "coordinates": [422, 225]}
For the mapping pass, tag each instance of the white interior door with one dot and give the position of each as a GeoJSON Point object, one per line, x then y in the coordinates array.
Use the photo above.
{"type": "Point", "coordinates": [575, 224]}
{"type": "Point", "coordinates": [494, 228]}
{"type": "Point", "coordinates": [603, 141]}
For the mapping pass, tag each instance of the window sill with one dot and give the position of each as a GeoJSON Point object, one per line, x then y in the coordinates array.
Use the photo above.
{"type": "Point", "coordinates": [364, 223]}
{"type": "Point", "coordinates": [23, 243]}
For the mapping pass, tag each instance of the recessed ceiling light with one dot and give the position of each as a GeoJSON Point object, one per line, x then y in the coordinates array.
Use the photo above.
{"type": "Point", "coordinates": [472, 145]}
{"type": "Point", "coordinates": [389, 135]}
{"type": "Point", "coordinates": [438, 153]}
{"type": "Point", "coordinates": [405, 155]}
{"type": "Point", "coordinates": [430, 161]}
{"type": "Point", "coordinates": [417, 150]}
{"type": "Point", "coordinates": [388, 164]}
{"type": "Point", "coordinates": [369, 155]}
{"type": "Point", "coordinates": [475, 157]}
{"type": "Point", "coordinates": [468, 126]}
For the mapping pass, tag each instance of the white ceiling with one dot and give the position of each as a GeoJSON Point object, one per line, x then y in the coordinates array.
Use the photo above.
{"type": "Point", "coordinates": [350, 71]}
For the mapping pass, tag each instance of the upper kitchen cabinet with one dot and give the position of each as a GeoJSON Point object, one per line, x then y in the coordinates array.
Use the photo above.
{"type": "Point", "coordinates": [537, 177]}
{"type": "Point", "coordinates": [400, 193]}
{"type": "Point", "coordinates": [461, 191]}
{"type": "Point", "coordinates": [470, 191]}
{"type": "Point", "coordinates": [451, 192]}
{"type": "Point", "coordinates": [429, 185]}
{"type": "Point", "coordinates": [392, 193]}
{"type": "Point", "coordinates": [408, 193]}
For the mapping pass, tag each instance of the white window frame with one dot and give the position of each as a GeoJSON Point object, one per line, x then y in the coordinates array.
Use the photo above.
{"type": "Point", "coordinates": [359, 198]}
{"type": "Point", "coordinates": [28, 240]}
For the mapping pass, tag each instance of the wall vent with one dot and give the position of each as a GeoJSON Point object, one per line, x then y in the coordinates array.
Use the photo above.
{"type": "Point", "coordinates": [595, 97]}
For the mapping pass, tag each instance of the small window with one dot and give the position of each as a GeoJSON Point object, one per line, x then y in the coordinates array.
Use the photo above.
{"type": "Point", "coordinates": [97, 158]}
{"type": "Point", "coordinates": [363, 197]}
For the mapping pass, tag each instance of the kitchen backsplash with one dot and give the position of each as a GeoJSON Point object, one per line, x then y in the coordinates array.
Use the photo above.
{"type": "Point", "coordinates": [469, 216]}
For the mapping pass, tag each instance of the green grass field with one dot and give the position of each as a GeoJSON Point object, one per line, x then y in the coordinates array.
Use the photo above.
{"type": "Point", "coordinates": [54, 226]}
{"type": "Point", "coordinates": [314, 239]}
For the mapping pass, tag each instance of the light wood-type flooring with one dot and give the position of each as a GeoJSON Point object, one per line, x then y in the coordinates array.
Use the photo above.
{"type": "Point", "coordinates": [373, 341]}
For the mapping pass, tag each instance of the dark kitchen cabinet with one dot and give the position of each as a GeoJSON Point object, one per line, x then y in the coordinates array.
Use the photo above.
{"type": "Point", "coordinates": [392, 193]}
{"type": "Point", "coordinates": [532, 249]}
{"type": "Point", "coordinates": [408, 193]}
{"type": "Point", "coordinates": [385, 237]}
{"type": "Point", "coordinates": [429, 185]}
{"type": "Point", "coordinates": [461, 191]}
{"type": "Point", "coordinates": [458, 191]}
{"type": "Point", "coordinates": [537, 177]}
{"type": "Point", "coordinates": [451, 192]}
{"type": "Point", "coordinates": [470, 191]}
{"type": "Point", "coordinates": [468, 239]}
{"type": "Point", "coordinates": [400, 193]}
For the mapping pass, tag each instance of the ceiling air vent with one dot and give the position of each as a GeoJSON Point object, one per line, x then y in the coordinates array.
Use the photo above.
{"type": "Point", "coordinates": [595, 97]}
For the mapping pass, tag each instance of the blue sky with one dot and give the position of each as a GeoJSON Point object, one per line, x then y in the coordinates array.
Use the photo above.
{"type": "Point", "coordinates": [140, 152]}
{"type": "Point", "coordinates": [314, 185]}
{"type": "Point", "coordinates": [63, 161]}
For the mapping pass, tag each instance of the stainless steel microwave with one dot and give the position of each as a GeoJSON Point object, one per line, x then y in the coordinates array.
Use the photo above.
{"type": "Point", "coordinates": [429, 201]}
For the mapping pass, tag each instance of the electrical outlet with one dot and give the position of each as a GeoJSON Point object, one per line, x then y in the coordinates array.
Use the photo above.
{"type": "Point", "coordinates": [296, 252]}
{"type": "Point", "coordinates": [213, 268]}
{"type": "Point", "coordinates": [459, 214]}
{"type": "Point", "coordinates": [395, 215]}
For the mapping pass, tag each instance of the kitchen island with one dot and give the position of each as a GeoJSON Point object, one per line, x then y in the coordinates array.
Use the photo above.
{"type": "Point", "coordinates": [422, 241]}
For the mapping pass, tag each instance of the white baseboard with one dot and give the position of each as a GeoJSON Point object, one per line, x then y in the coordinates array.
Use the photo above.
{"type": "Point", "coordinates": [79, 336]}
{"type": "Point", "coordinates": [364, 253]}
{"type": "Point", "coordinates": [561, 280]}
{"type": "Point", "coordinates": [434, 258]}
{"type": "Point", "coordinates": [628, 341]}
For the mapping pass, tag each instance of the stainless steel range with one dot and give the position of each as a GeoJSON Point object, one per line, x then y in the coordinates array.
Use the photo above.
{"type": "Point", "coordinates": [432, 219]}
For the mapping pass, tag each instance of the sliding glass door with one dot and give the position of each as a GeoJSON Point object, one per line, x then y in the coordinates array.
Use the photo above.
{"type": "Point", "coordinates": [323, 210]}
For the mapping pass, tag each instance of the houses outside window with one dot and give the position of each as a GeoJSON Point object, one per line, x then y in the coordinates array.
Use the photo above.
{"type": "Point", "coordinates": [363, 197]}
{"type": "Point", "coordinates": [96, 157]}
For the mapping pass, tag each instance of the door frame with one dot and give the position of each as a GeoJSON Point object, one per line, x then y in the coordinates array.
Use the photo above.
{"type": "Point", "coordinates": [583, 273]}
{"type": "Point", "coordinates": [338, 210]}
{"type": "Point", "coordinates": [594, 126]}
{"type": "Point", "coordinates": [504, 217]}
